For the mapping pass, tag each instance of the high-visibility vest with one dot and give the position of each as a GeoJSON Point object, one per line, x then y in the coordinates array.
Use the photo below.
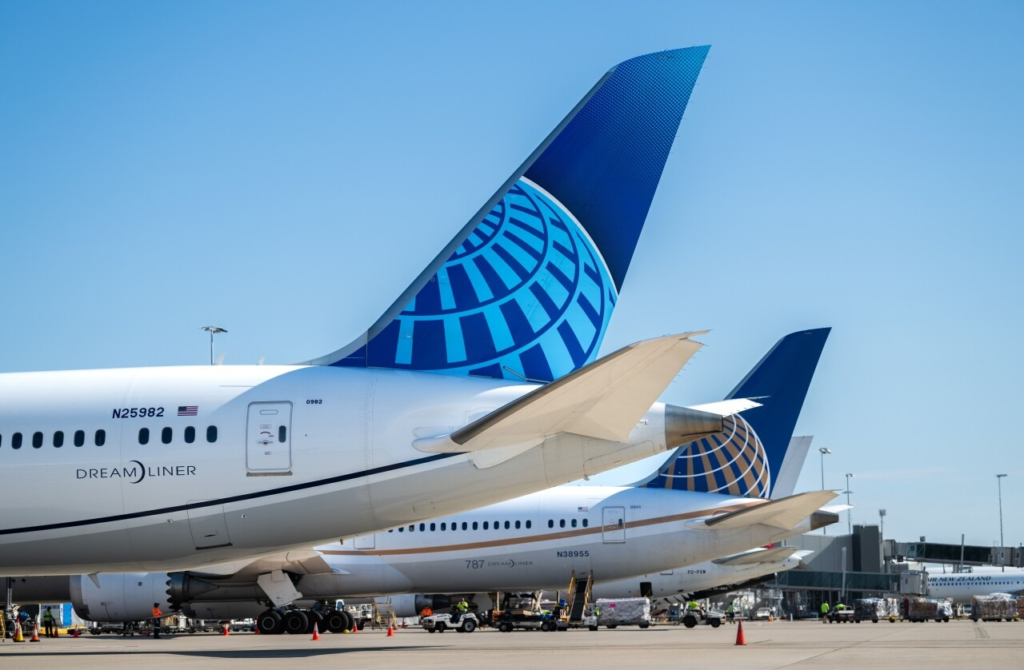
{"type": "Point", "coordinates": [47, 615]}
{"type": "Point", "coordinates": [824, 608]}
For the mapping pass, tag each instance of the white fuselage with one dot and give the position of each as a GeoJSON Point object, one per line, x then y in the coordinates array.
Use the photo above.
{"type": "Point", "coordinates": [302, 455]}
{"type": "Point", "coordinates": [960, 587]}
{"type": "Point", "coordinates": [616, 533]}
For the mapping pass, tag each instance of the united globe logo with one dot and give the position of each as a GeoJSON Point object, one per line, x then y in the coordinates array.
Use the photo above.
{"type": "Point", "coordinates": [732, 462]}
{"type": "Point", "coordinates": [526, 295]}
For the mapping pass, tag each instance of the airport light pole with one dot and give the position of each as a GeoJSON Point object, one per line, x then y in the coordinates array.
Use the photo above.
{"type": "Point", "coordinates": [849, 507]}
{"type": "Point", "coordinates": [212, 330]}
{"type": "Point", "coordinates": [999, 483]}
{"type": "Point", "coordinates": [823, 451]}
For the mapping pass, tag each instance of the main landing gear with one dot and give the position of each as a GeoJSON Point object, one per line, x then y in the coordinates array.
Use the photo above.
{"type": "Point", "coordinates": [301, 621]}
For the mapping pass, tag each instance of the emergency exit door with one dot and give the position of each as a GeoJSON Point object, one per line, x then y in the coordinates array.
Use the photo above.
{"type": "Point", "coordinates": [613, 524]}
{"type": "Point", "coordinates": [268, 439]}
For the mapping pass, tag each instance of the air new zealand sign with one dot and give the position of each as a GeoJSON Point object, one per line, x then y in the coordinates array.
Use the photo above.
{"type": "Point", "coordinates": [135, 472]}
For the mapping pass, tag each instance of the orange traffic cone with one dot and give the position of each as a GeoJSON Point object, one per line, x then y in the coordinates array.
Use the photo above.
{"type": "Point", "coordinates": [355, 627]}
{"type": "Point", "coordinates": [316, 633]}
{"type": "Point", "coordinates": [226, 631]}
{"type": "Point", "coordinates": [35, 634]}
{"type": "Point", "coordinates": [391, 631]}
{"type": "Point", "coordinates": [18, 635]}
{"type": "Point", "coordinates": [256, 630]}
{"type": "Point", "coordinates": [741, 639]}
{"type": "Point", "coordinates": [75, 634]}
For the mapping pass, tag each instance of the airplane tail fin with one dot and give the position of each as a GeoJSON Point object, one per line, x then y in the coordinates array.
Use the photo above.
{"type": "Point", "coordinates": [747, 457]}
{"type": "Point", "coordinates": [527, 287]}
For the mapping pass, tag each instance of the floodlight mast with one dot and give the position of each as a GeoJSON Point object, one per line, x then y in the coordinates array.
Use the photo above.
{"type": "Point", "coordinates": [212, 330]}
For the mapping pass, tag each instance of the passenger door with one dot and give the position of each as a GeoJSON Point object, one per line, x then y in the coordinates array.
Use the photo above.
{"type": "Point", "coordinates": [613, 527]}
{"type": "Point", "coordinates": [268, 443]}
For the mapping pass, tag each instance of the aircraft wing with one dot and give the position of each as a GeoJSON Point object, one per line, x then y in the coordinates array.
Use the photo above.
{"type": "Point", "coordinates": [785, 513]}
{"type": "Point", "coordinates": [604, 400]}
{"type": "Point", "coordinates": [309, 562]}
{"type": "Point", "coordinates": [773, 555]}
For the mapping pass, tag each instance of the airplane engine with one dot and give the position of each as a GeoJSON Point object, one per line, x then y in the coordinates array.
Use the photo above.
{"type": "Point", "coordinates": [120, 597]}
{"type": "Point", "coordinates": [411, 605]}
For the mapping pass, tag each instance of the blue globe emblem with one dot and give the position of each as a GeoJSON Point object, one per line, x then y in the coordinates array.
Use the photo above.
{"type": "Point", "coordinates": [526, 294]}
{"type": "Point", "coordinates": [732, 462]}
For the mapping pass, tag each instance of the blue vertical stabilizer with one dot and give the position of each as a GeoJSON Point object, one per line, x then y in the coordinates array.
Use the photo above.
{"type": "Point", "coordinates": [746, 458]}
{"type": "Point", "coordinates": [527, 287]}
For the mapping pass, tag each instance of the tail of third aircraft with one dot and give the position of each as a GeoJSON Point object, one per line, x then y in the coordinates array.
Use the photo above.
{"type": "Point", "coordinates": [747, 457]}
{"type": "Point", "coordinates": [527, 287]}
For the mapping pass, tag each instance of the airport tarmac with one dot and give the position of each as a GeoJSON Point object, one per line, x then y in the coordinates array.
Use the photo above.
{"type": "Point", "coordinates": [801, 644]}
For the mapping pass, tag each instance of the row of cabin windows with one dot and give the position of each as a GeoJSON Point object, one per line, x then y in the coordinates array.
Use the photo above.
{"type": "Point", "coordinates": [99, 438]}
{"type": "Point", "coordinates": [466, 525]}
{"type": "Point", "coordinates": [454, 525]}
{"type": "Point", "coordinates": [167, 435]}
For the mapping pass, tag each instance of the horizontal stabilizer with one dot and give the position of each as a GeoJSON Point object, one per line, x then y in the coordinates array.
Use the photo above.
{"type": "Point", "coordinates": [773, 555]}
{"type": "Point", "coordinates": [727, 407]}
{"type": "Point", "coordinates": [786, 513]}
{"type": "Point", "coordinates": [604, 400]}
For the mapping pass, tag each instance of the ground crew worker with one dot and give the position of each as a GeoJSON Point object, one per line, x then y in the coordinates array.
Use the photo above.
{"type": "Point", "coordinates": [730, 613]}
{"type": "Point", "coordinates": [426, 612]}
{"type": "Point", "coordinates": [48, 623]}
{"type": "Point", "coordinates": [460, 608]}
{"type": "Point", "coordinates": [157, 615]}
{"type": "Point", "coordinates": [824, 612]}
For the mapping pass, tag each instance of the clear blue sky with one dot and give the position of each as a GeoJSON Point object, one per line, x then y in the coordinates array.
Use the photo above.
{"type": "Point", "coordinates": [286, 169]}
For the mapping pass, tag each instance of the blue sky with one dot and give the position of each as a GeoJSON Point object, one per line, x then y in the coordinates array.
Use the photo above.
{"type": "Point", "coordinates": [286, 169]}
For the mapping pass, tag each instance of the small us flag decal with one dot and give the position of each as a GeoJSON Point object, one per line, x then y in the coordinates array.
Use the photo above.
{"type": "Point", "coordinates": [188, 410]}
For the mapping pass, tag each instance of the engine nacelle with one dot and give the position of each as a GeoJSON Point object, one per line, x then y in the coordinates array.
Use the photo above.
{"type": "Point", "coordinates": [120, 597]}
{"type": "Point", "coordinates": [411, 605]}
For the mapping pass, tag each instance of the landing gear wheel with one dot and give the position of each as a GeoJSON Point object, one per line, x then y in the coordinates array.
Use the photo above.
{"type": "Point", "coordinates": [317, 619]}
{"type": "Point", "coordinates": [469, 626]}
{"type": "Point", "coordinates": [335, 621]}
{"type": "Point", "coordinates": [296, 622]}
{"type": "Point", "coordinates": [270, 623]}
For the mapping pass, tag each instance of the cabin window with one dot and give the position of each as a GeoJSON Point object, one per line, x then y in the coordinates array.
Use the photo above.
{"type": "Point", "coordinates": [412, 528]}
{"type": "Point", "coordinates": [211, 434]}
{"type": "Point", "coordinates": [433, 527]}
{"type": "Point", "coordinates": [474, 525]}
{"type": "Point", "coordinates": [585, 523]}
{"type": "Point", "coordinates": [401, 529]}
{"type": "Point", "coordinates": [528, 524]}
{"type": "Point", "coordinates": [497, 526]}
{"type": "Point", "coordinates": [561, 523]}
{"type": "Point", "coordinates": [166, 434]}
{"type": "Point", "coordinates": [517, 525]}
{"type": "Point", "coordinates": [58, 439]}
{"type": "Point", "coordinates": [37, 440]}
{"type": "Point", "coordinates": [282, 434]}
{"type": "Point", "coordinates": [465, 526]}
{"type": "Point", "coordinates": [444, 526]}
{"type": "Point", "coordinates": [485, 525]}
{"type": "Point", "coordinates": [101, 437]}
{"type": "Point", "coordinates": [190, 435]}
{"type": "Point", "coordinates": [423, 527]}
{"type": "Point", "coordinates": [507, 525]}
{"type": "Point", "coordinates": [143, 435]}
{"type": "Point", "coordinates": [79, 438]}
{"type": "Point", "coordinates": [551, 523]}
{"type": "Point", "coordinates": [16, 441]}
{"type": "Point", "coordinates": [574, 523]}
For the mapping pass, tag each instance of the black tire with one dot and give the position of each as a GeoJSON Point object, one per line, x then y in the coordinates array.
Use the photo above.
{"type": "Point", "coordinates": [431, 630]}
{"type": "Point", "coordinates": [315, 619]}
{"type": "Point", "coordinates": [646, 624]}
{"type": "Point", "coordinates": [270, 623]}
{"type": "Point", "coordinates": [544, 627]}
{"type": "Point", "coordinates": [440, 627]}
{"type": "Point", "coordinates": [350, 620]}
{"type": "Point", "coordinates": [593, 627]}
{"type": "Point", "coordinates": [296, 622]}
{"type": "Point", "coordinates": [715, 623]}
{"type": "Point", "coordinates": [335, 621]}
{"type": "Point", "coordinates": [469, 626]}
{"type": "Point", "coordinates": [505, 627]}
{"type": "Point", "coordinates": [689, 622]}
